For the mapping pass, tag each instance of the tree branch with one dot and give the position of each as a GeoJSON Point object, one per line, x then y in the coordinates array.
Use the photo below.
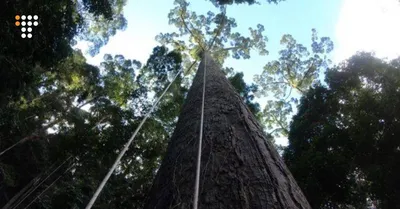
{"type": "Point", "coordinates": [280, 82]}
{"type": "Point", "coordinates": [306, 74]}
{"type": "Point", "coordinates": [194, 62]}
{"type": "Point", "coordinates": [32, 136]}
{"type": "Point", "coordinates": [290, 92]}
{"type": "Point", "coordinates": [280, 124]}
{"type": "Point", "coordinates": [87, 102]}
{"type": "Point", "coordinates": [100, 121]}
{"type": "Point", "coordinates": [230, 48]}
{"type": "Point", "coordinates": [301, 90]}
{"type": "Point", "coordinates": [190, 31]}
{"type": "Point", "coordinates": [292, 85]}
{"type": "Point", "coordinates": [22, 192]}
{"type": "Point", "coordinates": [218, 32]}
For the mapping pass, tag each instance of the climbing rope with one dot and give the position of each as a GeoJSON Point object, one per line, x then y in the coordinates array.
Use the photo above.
{"type": "Point", "coordinates": [48, 176]}
{"type": "Point", "coordinates": [48, 187]}
{"type": "Point", "coordinates": [121, 154]}
{"type": "Point", "coordinates": [12, 146]}
{"type": "Point", "coordinates": [197, 181]}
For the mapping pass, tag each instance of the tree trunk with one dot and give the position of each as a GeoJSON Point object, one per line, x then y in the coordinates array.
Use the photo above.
{"type": "Point", "coordinates": [240, 168]}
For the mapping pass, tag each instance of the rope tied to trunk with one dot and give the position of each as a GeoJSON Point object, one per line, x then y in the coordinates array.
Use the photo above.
{"type": "Point", "coordinates": [126, 147]}
{"type": "Point", "coordinates": [197, 181]}
{"type": "Point", "coordinates": [120, 155]}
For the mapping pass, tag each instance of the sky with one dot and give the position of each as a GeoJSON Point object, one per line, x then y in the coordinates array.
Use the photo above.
{"type": "Point", "coordinates": [353, 25]}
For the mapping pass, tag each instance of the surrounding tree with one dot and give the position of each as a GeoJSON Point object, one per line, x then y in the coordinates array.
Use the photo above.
{"type": "Point", "coordinates": [97, 113]}
{"type": "Point", "coordinates": [247, 92]}
{"type": "Point", "coordinates": [343, 143]}
{"type": "Point", "coordinates": [41, 80]}
{"type": "Point", "coordinates": [60, 24]}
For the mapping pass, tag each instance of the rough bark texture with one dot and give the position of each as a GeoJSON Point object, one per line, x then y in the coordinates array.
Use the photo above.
{"type": "Point", "coordinates": [239, 168]}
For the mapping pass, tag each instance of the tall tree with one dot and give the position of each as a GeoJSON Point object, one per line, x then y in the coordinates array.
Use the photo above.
{"type": "Point", "coordinates": [240, 167]}
{"type": "Point", "coordinates": [41, 78]}
{"type": "Point", "coordinates": [344, 143]}
{"type": "Point", "coordinates": [295, 69]}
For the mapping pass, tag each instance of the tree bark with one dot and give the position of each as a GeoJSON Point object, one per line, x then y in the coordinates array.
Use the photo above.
{"type": "Point", "coordinates": [240, 168]}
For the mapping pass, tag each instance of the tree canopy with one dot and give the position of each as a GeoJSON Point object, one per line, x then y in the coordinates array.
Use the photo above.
{"type": "Point", "coordinates": [295, 70]}
{"type": "Point", "coordinates": [343, 142]}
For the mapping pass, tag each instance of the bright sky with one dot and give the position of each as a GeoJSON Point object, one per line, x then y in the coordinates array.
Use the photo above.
{"type": "Point", "coordinates": [353, 25]}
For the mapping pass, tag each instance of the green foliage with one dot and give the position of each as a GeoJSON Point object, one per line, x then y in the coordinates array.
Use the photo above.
{"type": "Point", "coordinates": [61, 23]}
{"type": "Point", "coordinates": [246, 92]}
{"type": "Point", "coordinates": [119, 78]}
{"type": "Point", "coordinates": [94, 110]}
{"type": "Point", "coordinates": [296, 69]}
{"type": "Point", "coordinates": [211, 32]}
{"type": "Point", "coordinates": [343, 143]}
{"type": "Point", "coordinates": [45, 84]}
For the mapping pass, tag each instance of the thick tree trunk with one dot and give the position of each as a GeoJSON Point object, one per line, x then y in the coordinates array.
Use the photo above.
{"type": "Point", "coordinates": [240, 168]}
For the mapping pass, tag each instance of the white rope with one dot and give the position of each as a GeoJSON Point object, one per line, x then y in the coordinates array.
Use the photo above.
{"type": "Point", "coordinates": [12, 146]}
{"type": "Point", "coordinates": [48, 187]}
{"type": "Point", "coordinates": [114, 166]}
{"type": "Point", "coordinates": [29, 187]}
{"type": "Point", "coordinates": [197, 181]}
{"type": "Point", "coordinates": [41, 182]}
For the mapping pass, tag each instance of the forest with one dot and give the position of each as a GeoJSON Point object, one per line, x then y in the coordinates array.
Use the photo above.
{"type": "Point", "coordinates": [63, 121]}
